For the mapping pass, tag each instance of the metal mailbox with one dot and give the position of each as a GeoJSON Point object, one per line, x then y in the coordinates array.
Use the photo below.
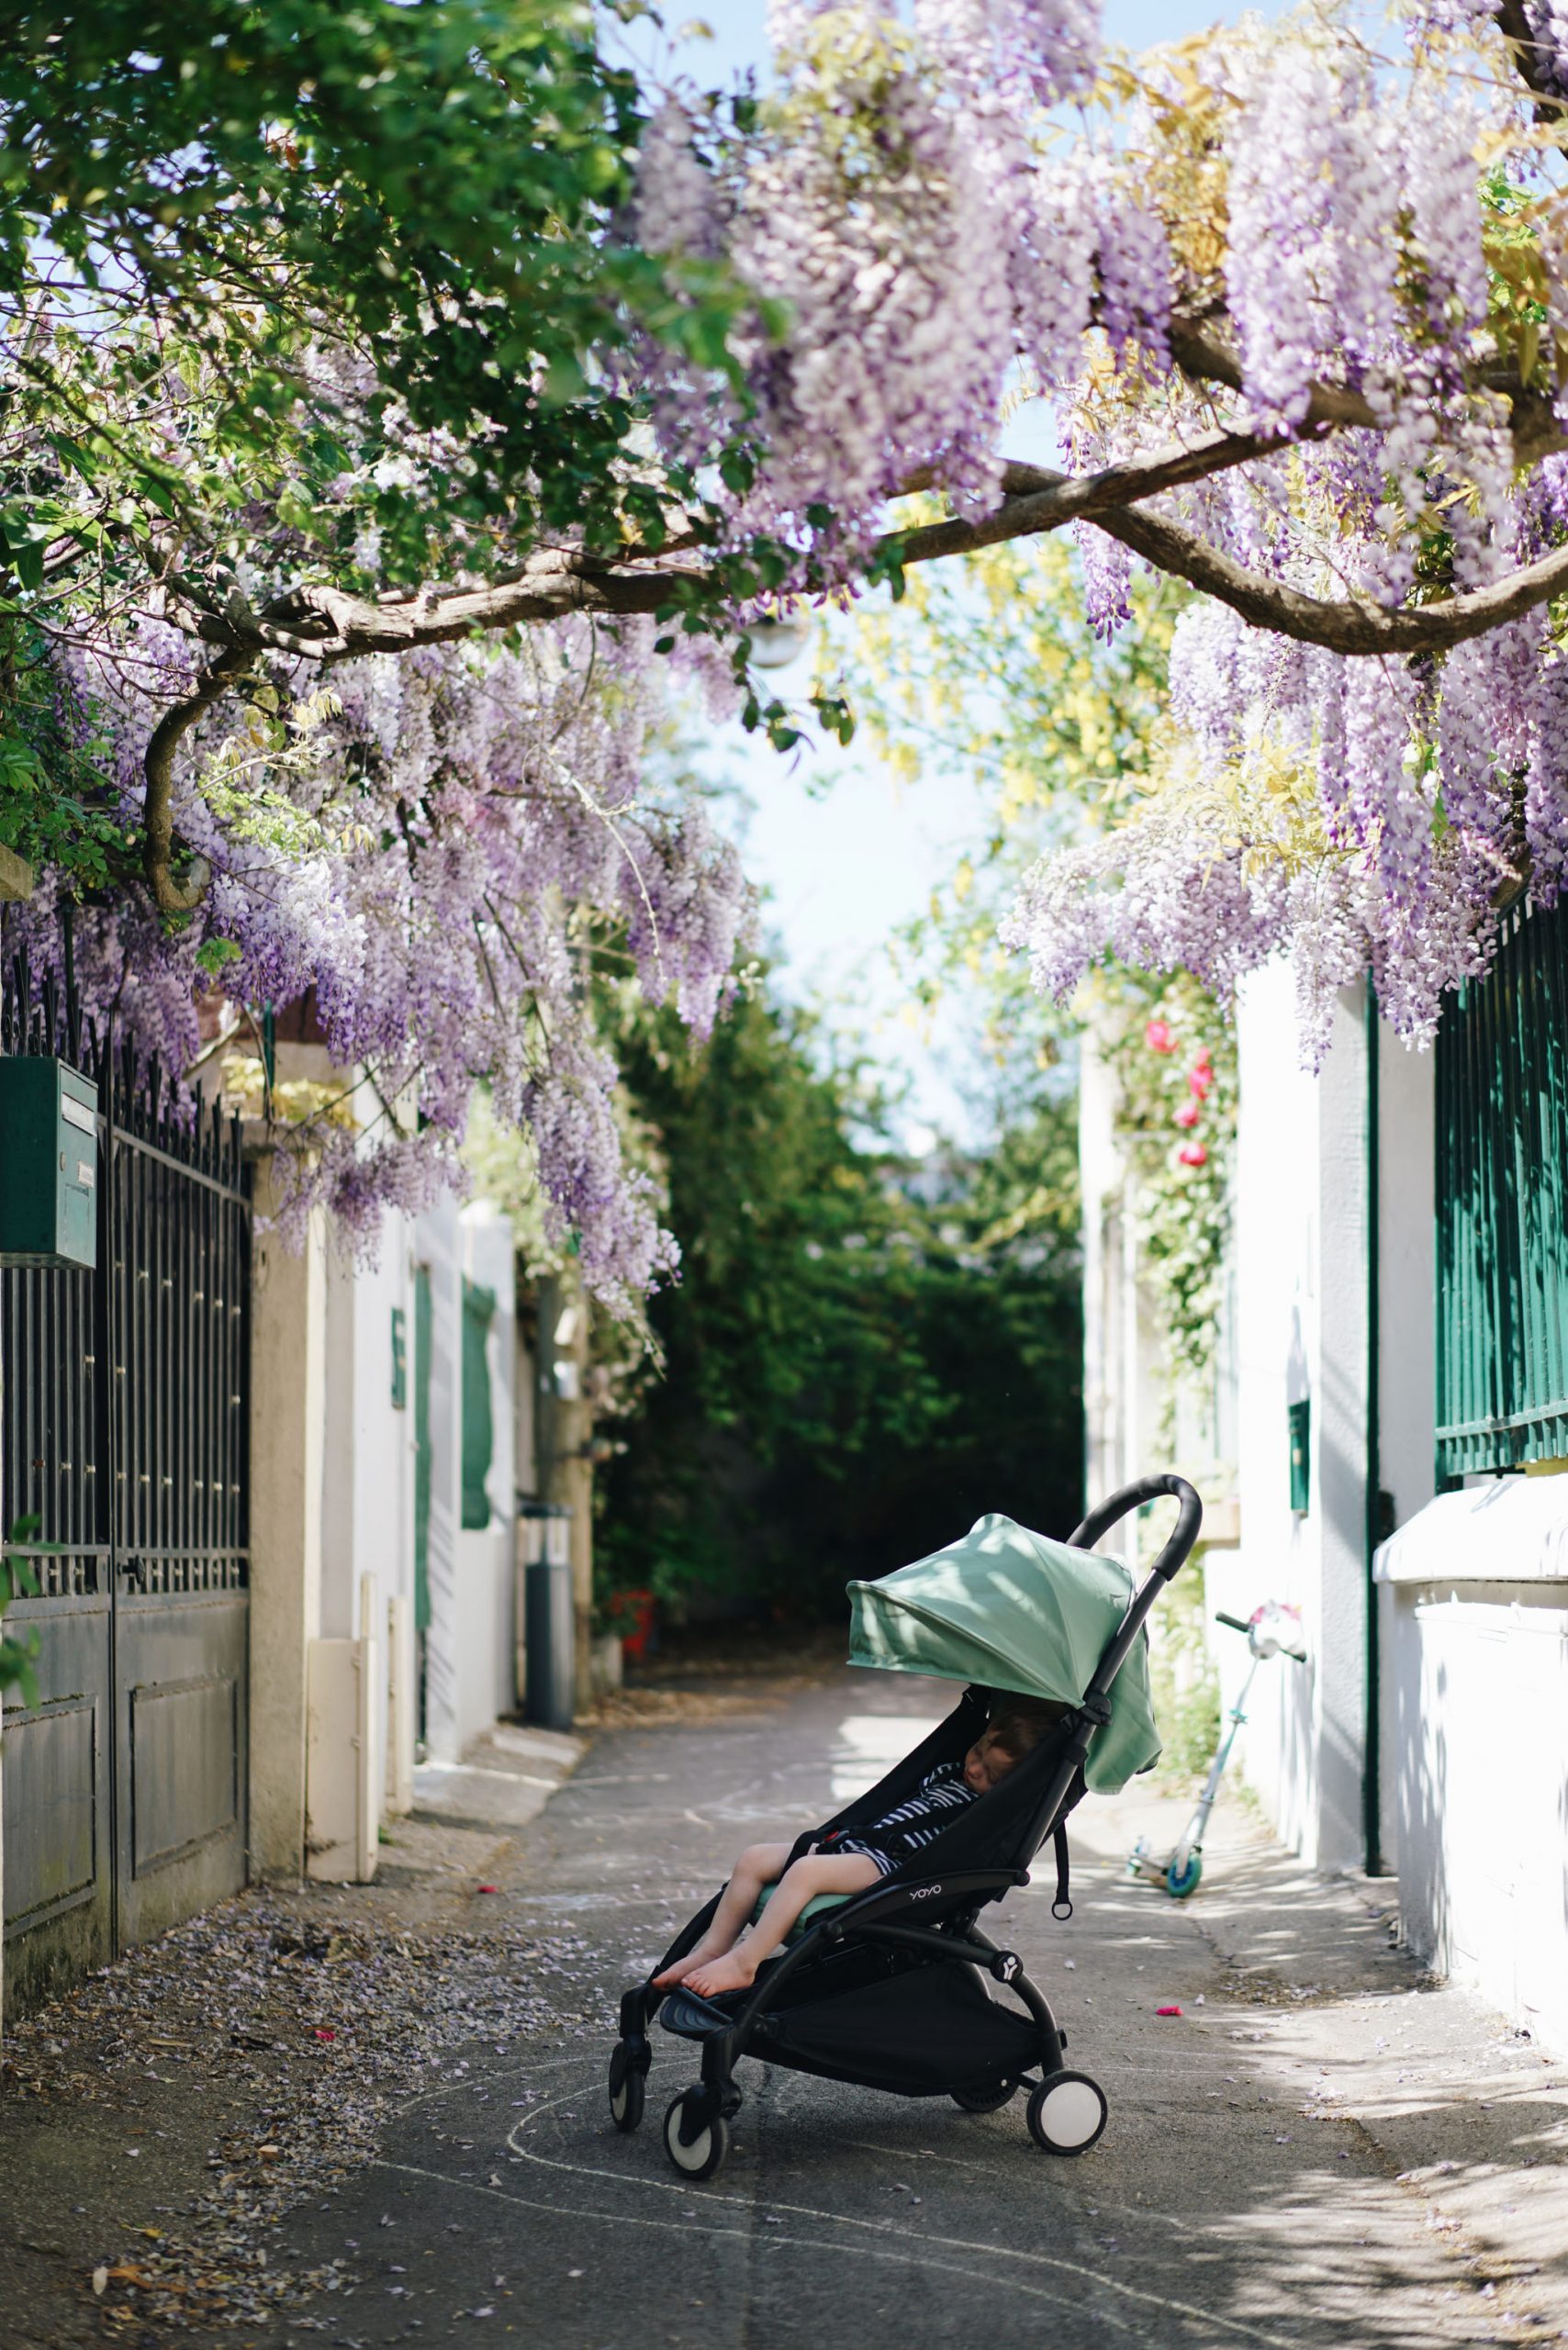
{"type": "Point", "coordinates": [49, 1164]}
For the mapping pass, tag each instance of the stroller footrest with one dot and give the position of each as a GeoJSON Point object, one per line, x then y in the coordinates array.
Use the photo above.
{"type": "Point", "coordinates": [693, 2017]}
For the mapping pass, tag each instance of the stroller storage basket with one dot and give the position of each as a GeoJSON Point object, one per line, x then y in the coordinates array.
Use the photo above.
{"type": "Point", "coordinates": [896, 1988]}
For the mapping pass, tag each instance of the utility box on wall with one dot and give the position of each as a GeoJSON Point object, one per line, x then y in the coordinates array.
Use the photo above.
{"type": "Point", "coordinates": [48, 1165]}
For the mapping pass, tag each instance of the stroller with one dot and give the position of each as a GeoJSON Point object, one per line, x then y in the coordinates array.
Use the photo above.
{"type": "Point", "coordinates": [886, 1987]}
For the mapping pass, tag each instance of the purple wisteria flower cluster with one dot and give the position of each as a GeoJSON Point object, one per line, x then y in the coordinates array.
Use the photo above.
{"type": "Point", "coordinates": [1356, 815]}
{"type": "Point", "coordinates": [1299, 310]}
{"type": "Point", "coordinates": [1352, 259]}
{"type": "Point", "coordinates": [432, 850]}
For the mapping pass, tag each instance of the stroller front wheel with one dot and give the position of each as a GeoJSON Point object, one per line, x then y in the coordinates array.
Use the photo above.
{"type": "Point", "coordinates": [627, 2089]}
{"type": "Point", "coordinates": [1067, 2113]}
{"type": "Point", "coordinates": [989, 2097]}
{"type": "Point", "coordinates": [703, 2153]}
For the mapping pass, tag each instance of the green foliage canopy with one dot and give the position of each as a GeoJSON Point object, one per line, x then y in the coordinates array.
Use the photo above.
{"type": "Point", "coordinates": [862, 1354]}
{"type": "Point", "coordinates": [990, 670]}
{"type": "Point", "coordinates": [428, 188]}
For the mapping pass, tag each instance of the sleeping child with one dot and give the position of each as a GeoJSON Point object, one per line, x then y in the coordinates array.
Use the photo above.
{"type": "Point", "coordinates": [848, 1860]}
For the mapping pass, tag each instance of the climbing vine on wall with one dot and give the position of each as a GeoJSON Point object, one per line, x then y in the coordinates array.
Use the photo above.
{"type": "Point", "coordinates": [1172, 1053]}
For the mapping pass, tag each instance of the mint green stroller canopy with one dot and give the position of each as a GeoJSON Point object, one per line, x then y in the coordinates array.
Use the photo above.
{"type": "Point", "coordinates": [1012, 1609]}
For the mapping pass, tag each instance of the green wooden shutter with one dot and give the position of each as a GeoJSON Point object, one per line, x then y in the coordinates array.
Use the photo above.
{"type": "Point", "coordinates": [478, 1419]}
{"type": "Point", "coordinates": [1502, 1205]}
{"type": "Point", "coordinates": [1299, 1417]}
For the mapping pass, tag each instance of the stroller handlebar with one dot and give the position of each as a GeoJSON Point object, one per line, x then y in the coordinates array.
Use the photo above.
{"type": "Point", "coordinates": [1120, 1505]}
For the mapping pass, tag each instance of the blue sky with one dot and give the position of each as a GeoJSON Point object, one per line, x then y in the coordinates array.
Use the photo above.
{"type": "Point", "coordinates": [843, 870]}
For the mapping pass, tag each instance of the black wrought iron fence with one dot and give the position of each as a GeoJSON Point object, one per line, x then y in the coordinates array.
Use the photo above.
{"type": "Point", "coordinates": [124, 1433]}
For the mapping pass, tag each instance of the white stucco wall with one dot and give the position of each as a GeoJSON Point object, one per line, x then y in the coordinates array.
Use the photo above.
{"type": "Point", "coordinates": [1478, 1585]}
{"type": "Point", "coordinates": [1301, 1333]}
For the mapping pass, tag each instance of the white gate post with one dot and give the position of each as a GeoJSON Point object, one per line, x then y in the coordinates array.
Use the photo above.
{"type": "Point", "coordinates": [288, 1452]}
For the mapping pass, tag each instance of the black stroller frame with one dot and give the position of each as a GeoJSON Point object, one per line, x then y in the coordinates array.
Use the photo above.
{"type": "Point", "coordinates": [870, 1950]}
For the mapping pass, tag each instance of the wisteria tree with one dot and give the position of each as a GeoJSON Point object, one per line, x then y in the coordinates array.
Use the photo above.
{"type": "Point", "coordinates": [294, 426]}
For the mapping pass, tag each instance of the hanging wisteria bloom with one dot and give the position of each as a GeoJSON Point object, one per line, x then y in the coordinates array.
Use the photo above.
{"type": "Point", "coordinates": [428, 850]}
{"type": "Point", "coordinates": [1294, 297]}
{"type": "Point", "coordinates": [1321, 285]}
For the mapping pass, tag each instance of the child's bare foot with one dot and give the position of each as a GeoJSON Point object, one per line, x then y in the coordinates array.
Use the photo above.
{"type": "Point", "coordinates": [680, 1970]}
{"type": "Point", "coordinates": [733, 1972]}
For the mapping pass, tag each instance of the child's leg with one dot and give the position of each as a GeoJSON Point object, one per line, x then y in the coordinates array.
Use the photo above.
{"type": "Point", "coordinates": [757, 1866]}
{"type": "Point", "coordinates": [818, 1873]}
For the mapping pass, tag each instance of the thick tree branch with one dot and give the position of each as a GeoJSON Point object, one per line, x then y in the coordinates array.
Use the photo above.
{"type": "Point", "coordinates": [1530, 62]}
{"type": "Point", "coordinates": [1354, 626]}
{"type": "Point", "coordinates": [328, 625]}
{"type": "Point", "coordinates": [169, 895]}
{"type": "Point", "coordinates": [1040, 500]}
{"type": "Point", "coordinates": [1202, 349]}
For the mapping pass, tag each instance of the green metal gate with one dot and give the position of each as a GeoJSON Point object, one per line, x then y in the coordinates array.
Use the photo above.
{"type": "Point", "coordinates": [1502, 1205]}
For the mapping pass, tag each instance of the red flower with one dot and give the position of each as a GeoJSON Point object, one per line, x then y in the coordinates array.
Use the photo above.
{"type": "Point", "coordinates": [1201, 1081]}
{"type": "Point", "coordinates": [1188, 1114]}
{"type": "Point", "coordinates": [1193, 1154]}
{"type": "Point", "coordinates": [1157, 1037]}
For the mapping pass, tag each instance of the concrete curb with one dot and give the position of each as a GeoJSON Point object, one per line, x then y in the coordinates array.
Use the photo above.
{"type": "Point", "coordinates": [504, 1780]}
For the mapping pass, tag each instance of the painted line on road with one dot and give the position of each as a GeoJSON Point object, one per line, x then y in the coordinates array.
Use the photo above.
{"type": "Point", "coordinates": [1236, 2326]}
{"type": "Point", "coordinates": [907, 2258]}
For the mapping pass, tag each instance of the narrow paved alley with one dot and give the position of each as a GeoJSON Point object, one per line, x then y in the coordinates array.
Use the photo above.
{"type": "Point", "coordinates": [1320, 2148]}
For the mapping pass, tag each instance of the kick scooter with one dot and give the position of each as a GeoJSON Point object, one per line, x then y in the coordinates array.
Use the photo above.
{"type": "Point", "coordinates": [1269, 1631]}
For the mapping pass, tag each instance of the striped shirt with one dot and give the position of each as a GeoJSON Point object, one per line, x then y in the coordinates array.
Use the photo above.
{"type": "Point", "coordinates": [911, 1826]}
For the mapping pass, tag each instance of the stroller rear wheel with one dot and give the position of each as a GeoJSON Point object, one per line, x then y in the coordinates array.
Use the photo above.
{"type": "Point", "coordinates": [1067, 2113]}
{"type": "Point", "coordinates": [987, 2097]}
{"type": "Point", "coordinates": [702, 2152]}
{"type": "Point", "coordinates": [627, 2090]}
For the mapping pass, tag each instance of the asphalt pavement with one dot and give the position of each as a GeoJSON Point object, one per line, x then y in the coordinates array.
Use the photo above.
{"type": "Point", "coordinates": [1321, 2148]}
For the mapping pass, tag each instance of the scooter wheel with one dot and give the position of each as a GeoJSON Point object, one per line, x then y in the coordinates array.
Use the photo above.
{"type": "Point", "coordinates": [987, 2097]}
{"type": "Point", "coordinates": [1067, 2113]}
{"type": "Point", "coordinates": [1182, 1879]}
{"type": "Point", "coordinates": [700, 2155]}
{"type": "Point", "coordinates": [627, 2089]}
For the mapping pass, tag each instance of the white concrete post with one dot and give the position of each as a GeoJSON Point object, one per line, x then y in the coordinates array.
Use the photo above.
{"type": "Point", "coordinates": [1407, 1367]}
{"type": "Point", "coordinates": [438, 1247]}
{"type": "Point", "coordinates": [372, 1632]}
{"type": "Point", "coordinates": [288, 1429]}
{"type": "Point", "coordinates": [1337, 1637]}
{"type": "Point", "coordinates": [339, 1595]}
{"type": "Point", "coordinates": [342, 1810]}
{"type": "Point", "coordinates": [402, 1695]}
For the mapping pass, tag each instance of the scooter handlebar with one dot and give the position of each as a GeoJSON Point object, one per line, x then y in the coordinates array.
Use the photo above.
{"type": "Point", "coordinates": [1239, 1623]}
